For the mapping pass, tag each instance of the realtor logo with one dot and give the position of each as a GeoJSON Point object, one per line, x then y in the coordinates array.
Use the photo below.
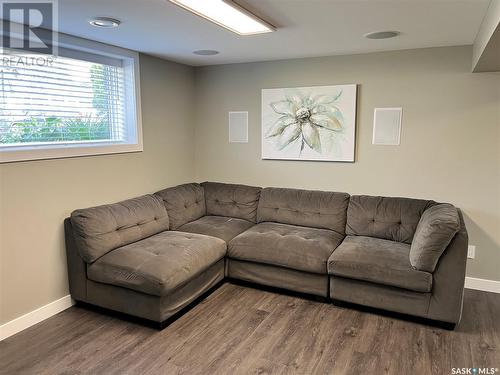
{"type": "Point", "coordinates": [29, 26]}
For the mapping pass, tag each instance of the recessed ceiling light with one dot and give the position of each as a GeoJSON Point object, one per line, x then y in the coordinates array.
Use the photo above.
{"type": "Point", "coordinates": [227, 14]}
{"type": "Point", "coordinates": [206, 52]}
{"type": "Point", "coordinates": [105, 22]}
{"type": "Point", "coordinates": [382, 34]}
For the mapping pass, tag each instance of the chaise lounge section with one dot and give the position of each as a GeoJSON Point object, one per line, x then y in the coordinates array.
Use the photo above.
{"type": "Point", "coordinates": [153, 255]}
{"type": "Point", "coordinates": [123, 257]}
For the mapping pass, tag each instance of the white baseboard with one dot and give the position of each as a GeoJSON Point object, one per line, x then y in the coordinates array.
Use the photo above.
{"type": "Point", "coordinates": [36, 316]}
{"type": "Point", "coordinates": [482, 284]}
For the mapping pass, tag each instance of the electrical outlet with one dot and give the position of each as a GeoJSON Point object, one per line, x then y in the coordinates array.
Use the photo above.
{"type": "Point", "coordinates": [471, 252]}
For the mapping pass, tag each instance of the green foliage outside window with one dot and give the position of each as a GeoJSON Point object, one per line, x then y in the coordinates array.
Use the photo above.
{"type": "Point", "coordinates": [54, 129]}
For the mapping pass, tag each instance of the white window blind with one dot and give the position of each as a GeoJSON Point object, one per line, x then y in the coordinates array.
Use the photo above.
{"type": "Point", "coordinates": [74, 104]}
{"type": "Point", "coordinates": [67, 101]}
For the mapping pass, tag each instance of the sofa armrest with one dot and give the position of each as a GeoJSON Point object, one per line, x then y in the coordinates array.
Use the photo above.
{"type": "Point", "coordinates": [77, 268]}
{"type": "Point", "coordinates": [435, 230]}
{"type": "Point", "coordinates": [449, 279]}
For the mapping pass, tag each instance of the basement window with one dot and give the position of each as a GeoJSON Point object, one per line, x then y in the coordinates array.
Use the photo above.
{"type": "Point", "coordinates": [84, 101]}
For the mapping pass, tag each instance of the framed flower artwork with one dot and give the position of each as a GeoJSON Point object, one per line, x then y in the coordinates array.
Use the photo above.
{"type": "Point", "coordinates": [309, 123]}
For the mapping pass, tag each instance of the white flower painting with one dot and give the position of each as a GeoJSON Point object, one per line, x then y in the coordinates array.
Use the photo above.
{"type": "Point", "coordinates": [309, 123]}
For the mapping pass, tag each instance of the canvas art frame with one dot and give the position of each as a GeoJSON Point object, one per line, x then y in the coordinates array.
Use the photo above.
{"type": "Point", "coordinates": [309, 123]}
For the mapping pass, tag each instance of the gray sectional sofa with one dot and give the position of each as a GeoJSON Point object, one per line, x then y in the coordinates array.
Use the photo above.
{"type": "Point", "coordinates": [153, 255]}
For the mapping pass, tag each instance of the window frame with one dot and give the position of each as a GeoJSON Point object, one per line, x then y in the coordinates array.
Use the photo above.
{"type": "Point", "coordinates": [130, 61]}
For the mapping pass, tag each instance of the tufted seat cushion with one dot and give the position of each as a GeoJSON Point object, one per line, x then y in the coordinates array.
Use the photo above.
{"type": "Point", "coordinates": [309, 208]}
{"type": "Point", "coordinates": [225, 228]}
{"type": "Point", "coordinates": [394, 219]}
{"type": "Point", "coordinates": [184, 203]}
{"type": "Point", "coordinates": [289, 246]}
{"type": "Point", "coordinates": [101, 229]}
{"type": "Point", "coordinates": [159, 264]}
{"type": "Point", "coordinates": [378, 261]}
{"type": "Point", "coordinates": [231, 200]}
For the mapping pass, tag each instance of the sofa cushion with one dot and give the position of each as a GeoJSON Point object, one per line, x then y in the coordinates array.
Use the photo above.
{"type": "Point", "coordinates": [159, 264]}
{"type": "Point", "coordinates": [437, 227]}
{"type": "Point", "coordinates": [318, 209]}
{"type": "Point", "coordinates": [239, 201]}
{"type": "Point", "coordinates": [225, 228]}
{"type": "Point", "coordinates": [184, 203]}
{"type": "Point", "coordinates": [289, 246]}
{"type": "Point", "coordinates": [98, 230]}
{"type": "Point", "coordinates": [394, 219]}
{"type": "Point", "coordinates": [378, 261]}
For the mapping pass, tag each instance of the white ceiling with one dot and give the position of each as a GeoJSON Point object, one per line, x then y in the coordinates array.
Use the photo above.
{"type": "Point", "coordinates": [305, 27]}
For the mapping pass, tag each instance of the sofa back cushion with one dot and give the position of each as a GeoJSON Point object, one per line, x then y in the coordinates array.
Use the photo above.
{"type": "Point", "coordinates": [184, 203]}
{"type": "Point", "coordinates": [239, 201]}
{"type": "Point", "coordinates": [98, 230]}
{"type": "Point", "coordinates": [435, 230]}
{"type": "Point", "coordinates": [309, 208]}
{"type": "Point", "coordinates": [394, 219]}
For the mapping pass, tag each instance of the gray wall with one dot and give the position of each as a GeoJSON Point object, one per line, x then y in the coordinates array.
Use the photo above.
{"type": "Point", "coordinates": [36, 196]}
{"type": "Point", "coordinates": [450, 148]}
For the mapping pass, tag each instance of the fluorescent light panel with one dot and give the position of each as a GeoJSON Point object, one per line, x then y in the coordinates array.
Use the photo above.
{"type": "Point", "coordinates": [227, 14]}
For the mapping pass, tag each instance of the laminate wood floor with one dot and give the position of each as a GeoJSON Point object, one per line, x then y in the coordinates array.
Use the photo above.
{"type": "Point", "coordinates": [239, 330]}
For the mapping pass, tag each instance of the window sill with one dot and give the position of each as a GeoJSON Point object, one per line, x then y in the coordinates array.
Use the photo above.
{"type": "Point", "coordinates": [65, 151]}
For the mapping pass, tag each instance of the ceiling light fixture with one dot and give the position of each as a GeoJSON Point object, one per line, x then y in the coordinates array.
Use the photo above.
{"type": "Point", "coordinates": [206, 52]}
{"type": "Point", "coordinates": [105, 22]}
{"type": "Point", "coordinates": [382, 34]}
{"type": "Point", "coordinates": [227, 14]}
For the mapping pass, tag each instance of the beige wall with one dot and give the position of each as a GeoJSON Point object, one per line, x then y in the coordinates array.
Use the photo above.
{"type": "Point", "coordinates": [450, 148]}
{"type": "Point", "coordinates": [35, 197]}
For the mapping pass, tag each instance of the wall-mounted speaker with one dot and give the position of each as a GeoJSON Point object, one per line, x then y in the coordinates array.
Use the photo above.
{"type": "Point", "coordinates": [238, 127]}
{"type": "Point", "coordinates": [387, 126]}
